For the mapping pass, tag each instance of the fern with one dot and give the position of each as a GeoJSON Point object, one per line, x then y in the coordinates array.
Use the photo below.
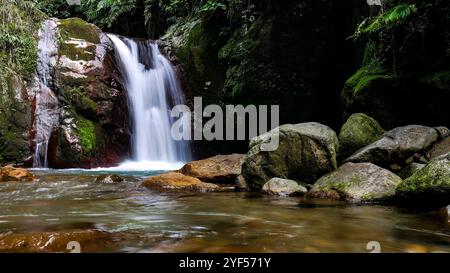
{"type": "Point", "coordinates": [388, 19]}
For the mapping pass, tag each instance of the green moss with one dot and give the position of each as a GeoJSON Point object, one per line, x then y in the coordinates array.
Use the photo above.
{"type": "Point", "coordinates": [366, 76]}
{"type": "Point", "coordinates": [79, 29]}
{"type": "Point", "coordinates": [86, 132]}
{"type": "Point", "coordinates": [439, 79]}
{"type": "Point", "coordinates": [77, 97]}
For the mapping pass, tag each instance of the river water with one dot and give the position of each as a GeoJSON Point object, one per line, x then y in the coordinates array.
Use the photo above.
{"type": "Point", "coordinates": [143, 220]}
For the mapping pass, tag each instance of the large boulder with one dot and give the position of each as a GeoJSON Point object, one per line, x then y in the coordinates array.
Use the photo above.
{"type": "Point", "coordinates": [93, 128]}
{"type": "Point", "coordinates": [358, 131]}
{"type": "Point", "coordinates": [220, 169]}
{"type": "Point", "coordinates": [357, 182]}
{"type": "Point", "coordinates": [428, 187]}
{"type": "Point", "coordinates": [306, 152]}
{"type": "Point", "coordinates": [283, 187]}
{"type": "Point", "coordinates": [10, 173]}
{"type": "Point", "coordinates": [174, 181]}
{"type": "Point", "coordinates": [398, 145]}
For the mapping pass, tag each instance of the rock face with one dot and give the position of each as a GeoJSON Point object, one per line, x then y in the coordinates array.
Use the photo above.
{"type": "Point", "coordinates": [76, 92]}
{"type": "Point", "coordinates": [428, 187]}
{"type": "Point", "coordinates": [179, 182]}
{"type": "Point", "coordinates": [51, 242]}
{"type": "Point", "coordinates": [360, 182]}
{"type": "Point", "coordinates": [10, 173]}
{"type": "Point", "coordinates": [93, 129]}
{"type": "Point", "coordinates": [358, 131]}
{"type": "Point", "coordinates": [221, 169]}
{"type": "Point", "coordinates": [109, 179]}
{"type": "Point", "coordinates": [306, 152]}
{"type": "Point", "coordinates": [283, 187]}
{"type": "Point", "coordinates": [397, 146]}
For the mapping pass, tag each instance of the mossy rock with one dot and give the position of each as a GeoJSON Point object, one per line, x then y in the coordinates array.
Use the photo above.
{"type": "Point", "coordinates": [306, 151]}
{"type": "Point", "coordinates": [358, 131]}
{"type": "Point", "coordinates": [75, 31]}
{"type": "Point", "coordinates": [15, 120]}
{"type": "Point", "coordinates": [429, 187]}
{"type": "Point", "coordinates": [360, 182]}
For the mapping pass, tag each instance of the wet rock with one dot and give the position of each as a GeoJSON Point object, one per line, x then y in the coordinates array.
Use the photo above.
{"type": "Point", "coordinates": [306, 152]}
{"type": "Point", "coordinates": [358, 131]}
{"type": "Point", "coordinates": [90, 241]}
{"type": "Point", "coordinates": [444, 213]}
{"type": "Point", "coordinates": [283, 187]}
{"type": "Point", "coordinates": [221, 169]}
{"type": "Point", "coordinates": [241, 183]}
{"type": "Point", "coordinates": [440, 148]}
{"type": "Point", "coordinates": [9, 173]}
{"type": "Point", "coordinates": [397, 146]}
{"type": "Point", "coordinates": [428, 187]}
{"type": "Point", "coordinates": [108, 179]}
{"type": "Point", "coordinates": [410, 170]}
{"type": "Point", "coordinates": [180, 182]}
{"type": "Point", "coordinates": [93, 127]}
{"type": "Point", "coordinates": [357, 182]}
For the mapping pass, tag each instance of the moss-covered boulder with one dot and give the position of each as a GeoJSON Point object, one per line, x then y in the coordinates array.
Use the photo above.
{"type": "Point", "coordinates": [93, 129]}
{"type": "Point", "coordinates": [358, 131]}
{"type": "Point", "coordinates": [360, 182]}
{"type": "Point", "coordinates": [306, 151]}
{"type": "Point", "coordinates": [397, 146]}
{"type": "Point", "coordinates": [428, 187]}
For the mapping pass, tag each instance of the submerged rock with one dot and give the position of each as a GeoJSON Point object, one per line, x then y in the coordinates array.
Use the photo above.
{"type": "Point", "coordinates": [357, 182]}
{"type": "Point", "coordinates": [283, 187]}
{"type": "Point", "coordinates": [180, 182]}
{"type": "Point", "coordinates": [428, 187]}
{"type": "Point", "coordinates": [9, 173]}
{"type": "Point", "coordinates": [89, 240]}
{"type": "Point", "coordinates": [306, 152]}
{"type": "Point", "coordinates": [397, 146]}
{"type": "Point", "coordinates": [108, 179]}
{"type": "Point", "coordinates": [220, 169]}
{"type": "Point", "coordinates": [358, 131]}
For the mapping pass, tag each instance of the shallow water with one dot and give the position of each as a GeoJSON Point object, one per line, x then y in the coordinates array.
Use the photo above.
{"type": "Point", "coordinates": [143, 220]}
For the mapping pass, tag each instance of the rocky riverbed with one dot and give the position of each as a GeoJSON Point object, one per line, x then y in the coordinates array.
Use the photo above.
{"type": "Point", "coordinates": [302, 197]}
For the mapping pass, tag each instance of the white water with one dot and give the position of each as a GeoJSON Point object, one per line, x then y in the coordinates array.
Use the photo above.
{"type": "Point", "coordinates": [152, 90]}
{"type": "Point", "coordinates": [47, 107]}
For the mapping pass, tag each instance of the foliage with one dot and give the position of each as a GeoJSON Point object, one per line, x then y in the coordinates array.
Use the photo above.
{"type": "Point", "coordinates": [19, 20]}
{"type": "Point", "coordinates": [385, 20]}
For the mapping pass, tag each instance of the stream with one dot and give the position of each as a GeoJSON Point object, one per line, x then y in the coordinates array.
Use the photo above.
{"type": "Point", "coordinates": [143, 220]}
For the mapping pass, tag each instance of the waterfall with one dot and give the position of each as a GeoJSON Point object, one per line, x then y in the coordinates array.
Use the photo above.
{"type": "Point", "coordinates": [46, 113]}
{"type": "Point", "coordinates": [152, 89]}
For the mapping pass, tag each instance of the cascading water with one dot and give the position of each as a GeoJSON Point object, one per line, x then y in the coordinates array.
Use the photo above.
{"type": "Point", "coordinates": [152, 89]}
{"type": "Point", "coordinates": [46, 102]}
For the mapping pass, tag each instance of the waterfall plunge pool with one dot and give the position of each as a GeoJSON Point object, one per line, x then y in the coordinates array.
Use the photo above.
{"type": "Point", "coordinates": [143, 220]}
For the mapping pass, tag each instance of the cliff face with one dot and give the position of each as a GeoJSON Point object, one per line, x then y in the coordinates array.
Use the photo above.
{"type": "Point", "coordinates": [74, 94]}
{"type": "Point", "coordinates": [405, 75]}
{"type": "Point", "coordinates": [94, 124]}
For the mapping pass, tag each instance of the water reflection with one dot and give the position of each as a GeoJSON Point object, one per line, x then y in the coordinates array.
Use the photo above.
{"type": "Point", "coordinates": [145, 221]}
